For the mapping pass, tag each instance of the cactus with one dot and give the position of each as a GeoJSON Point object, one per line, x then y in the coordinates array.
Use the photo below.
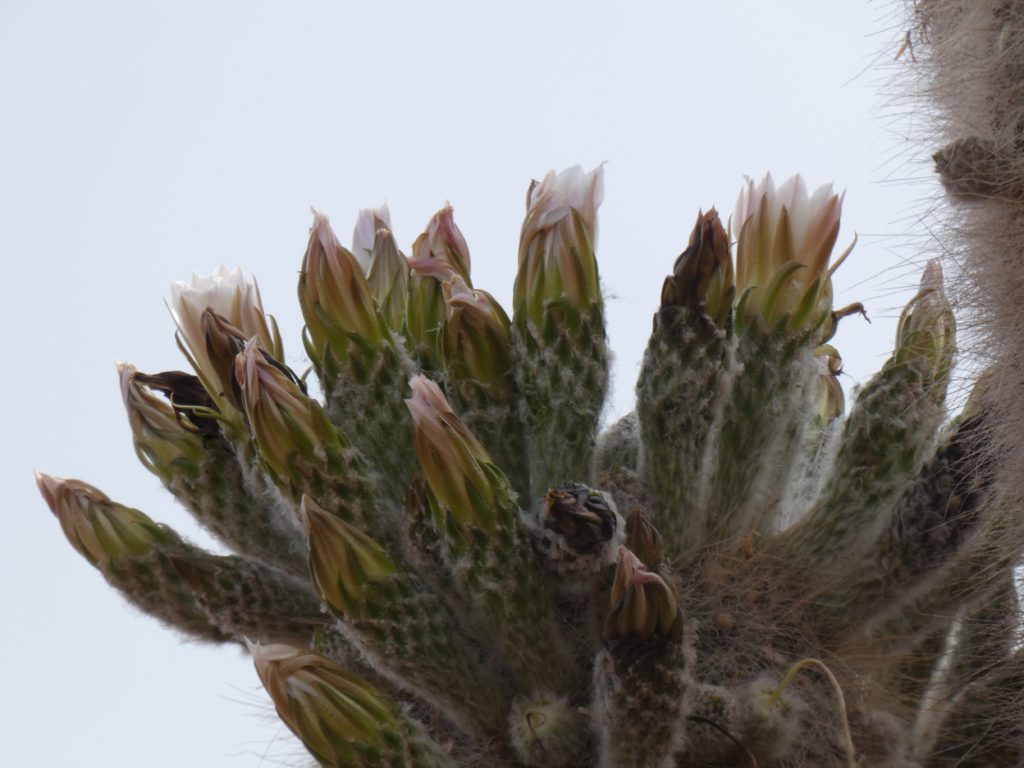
{"type": "Point", "coordinates": [477, 576]}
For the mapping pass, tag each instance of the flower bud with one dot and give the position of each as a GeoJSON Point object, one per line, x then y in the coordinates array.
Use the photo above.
{"type": "Point", "coordinates": [458, 471]}
{"type": "Point", "coordinates": [643, 539]}
{"type": "Point", "coordinates": [283, 420]}
{"type": "Point", "coordinates": [163, 437]}
{"type": "Point", "coordinates": [925, 334]}
{"type": "Point", "coordinates": [782, 253]}
{"type": "Point", "coordinates": [441, 250]}
{"type": "Point", "coordinates": [476, 336]}
{"type": "Point", "coordinates": [223, 343]}
{"type": "Point", "coordinates": [338, 716]}
{"type": "Point", "coordinates": [702, 279]}
{"type": "Point", "coordinates": [643, 603]}
{"type": "Point", "coordinates": [335, 299]}
{"type": "Point", "coordinates": [388, 278]}
{"type": "Point", "coordinates": [342, 559]}
{"type": "Point", "coordinates": [557, 242]}
{"type": "Point", "coordinates": [99, 528]}
{"type": "Point", "coordinates": [364, 236]}
{"type": "Point", "coordinates": [237, 300]}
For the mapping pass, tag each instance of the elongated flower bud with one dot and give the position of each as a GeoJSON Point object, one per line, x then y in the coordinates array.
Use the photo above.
{"type": "Point", "coordinates": [441, 249]}
{"type": "Point", "coordinates": [702, 277]}
{"type": "Point", "coordinates": [456, 467]}
{"type": "Point", "coordinates": [643, 539]}
{"type": "Point", "coordinates": [557, 242]}
{"type": "Point", "coordinates": [342, 719]}
{"type": "Point", "coordinates": [783, 250]}
{"type": "Point", "coordinates": [284, 421]}
{"type": "Point", "coordinates": [388, 278]}
{"type": "Point", "coordinates": [476, 336]}
{"type": "Point", "coordinates": [364, 235]}
{"type": "Point", "coordinates": [163, 438]}
{"type": "Point", "coordinates": [237, 300]}
{"type": "Point", "coordinates": [643, 603]}
{"type": "Point", "coordinates": [99, 528]}
{"type": "Point", "coordinates": [925, 335]}
{"type": "Point", "coordinates": [335, 299]}
{"type": "Point", "coordinates": [342, 559]}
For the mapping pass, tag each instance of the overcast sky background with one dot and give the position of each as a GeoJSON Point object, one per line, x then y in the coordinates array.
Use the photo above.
{"type": "Point", "coordinates": [140, 142]}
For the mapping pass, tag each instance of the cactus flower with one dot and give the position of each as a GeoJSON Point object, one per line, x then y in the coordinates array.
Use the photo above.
{"type": "Point", "coordinates": [702, 278]}
{"type": "Point", "coordinates": [476, 335]}
{"type": "Point", "coordinates": [364, 235]}
{"type": "Point", "coordinates": [442, 249]}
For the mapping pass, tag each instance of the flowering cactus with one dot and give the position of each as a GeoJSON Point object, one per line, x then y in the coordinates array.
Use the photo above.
{"type": "Point", "coordinates": [445, 563]}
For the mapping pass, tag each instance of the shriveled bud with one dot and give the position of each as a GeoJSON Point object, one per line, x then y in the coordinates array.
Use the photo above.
{"type": "Point", "coordinates": [456, 467]}
{"type": "Point", "coordinates": [162, 436]}
{"type": "Point", "coordinates": [581, 515]}
{"type": "Point", "coordinates": [557, 243]}
{"type": "Point", "coordinates": [364, 235]}
{"type": "Point", "coordinates": [702, 278]}
{"type": "Point", "coordinates": [546, 730]}
{"type": "Point", "coordinates": [388, 278]}
{"type": "Point", "coordinates": [99, 528]}
{"type": "Point", "coordinates": [782, 254]}
{"type": "Point", "coordinates": [476, 335]}
{"type": "Point", "coordinates": [338, 716]}
{"type": "Point", "coordinates": [237, 300]}
{"type": "Point", "coordinates": [925, 335]}
{"type": "Point", "coordinates": [335, 299]}
{"type": "Point", "coordinates": [643, 539]}
{"type": "Point", "coordinates": [643, 603]}
{"type": "Point", "coordinates": [441, 250]}
{"type": "Point", "coordinates": [342, 559]}
{"type": "Point", "coordinates": [283, 420]}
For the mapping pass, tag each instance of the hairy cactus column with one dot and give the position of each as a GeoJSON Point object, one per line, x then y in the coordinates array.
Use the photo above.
{"type": "Point", "coordinates": [343, 720]}
{"type": "Point", "coordinates": [486, 545]}
{"type": "Point", "coordinates": [642, 681]}
{"type": "Point", "coordinates": [683, 372]}
{"type": "Point", "coordinates": [560, 354]}
{"type": "Point", "coordinates": [782, 315]}
{"type": "Point", "coordinates": [206, 596]}
{"type": "Point", "coordinates": [360, 361]}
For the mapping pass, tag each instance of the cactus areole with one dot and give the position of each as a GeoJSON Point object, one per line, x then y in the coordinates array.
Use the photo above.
{"type": "Point", "coordinates": [446, 562]}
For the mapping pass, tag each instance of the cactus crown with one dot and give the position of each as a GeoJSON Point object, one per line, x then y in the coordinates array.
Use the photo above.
{"type": "Point", "coordinates": [444, 563]}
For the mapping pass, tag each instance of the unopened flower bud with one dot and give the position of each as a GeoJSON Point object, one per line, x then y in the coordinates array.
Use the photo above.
{"type": "Point", "coordinates": [441, 250]}
{"type": "Point", "coordinates": [99, 528]}
{"type": "Point", "coordinates": [342, 559]}
{"type": "Point", "coordinates": [162, 436]}
{"type": "Point", "coordinates": [458, 471]}
{"type": "Point", "coordinates": [284, 421]}
{"type": "Point", "coordinates": [338, 716]}
{"type": "Point", "coordinates": [364, 235]}
{"type": "Point", "coordinates": [702, 278]}
{"type": "Point", "coordinates": [223, 343]}
{"type": "Point", "coordinates": [335, 299]}
{"type": "Point", "coordinates": [643, 603]}
{"type": "Point", "coordinates": [237, 300]}
{"type": "Point", "coordinates": [388, 278]}
{"type": "Point", "coordinates": [557, 243]}
{"type": "Point", "coordinates": [643, 539]}
{"type": "Point", "coordinates": [925, 335]}
{"type": "Point", "coordinates": [476, 335]}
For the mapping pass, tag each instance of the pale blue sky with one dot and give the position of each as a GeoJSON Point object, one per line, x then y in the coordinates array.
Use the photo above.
{"type": "Point", "coordinates": [140, 142]}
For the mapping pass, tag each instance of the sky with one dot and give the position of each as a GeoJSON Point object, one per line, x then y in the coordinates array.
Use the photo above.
{"type": "Point", "coordinates": [142, 142]}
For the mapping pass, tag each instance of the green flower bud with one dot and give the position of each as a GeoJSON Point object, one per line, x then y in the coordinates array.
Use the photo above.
{"type": "Point", "coordinates": [458, 471]}
{"type": "Point", "coordinates": [557, 242]}
{"type": "Point", "coordinates": [283, 420]}
{"type": "Point", "coordinates": [388, 278]}
{"type": "Point", "coordinates": [342, 559]}
{"type": "Point", "coordinates": [338, 716]}
{"type": "Point", "coordinates": [925, 335]}
{"type": "Point", "coordinates": [335, 299]}
{"type": "Point", "coordinates": [476, 336]}
{"type": "Point", "coordinates": [643, 539]}
{"type": "Point", "coordinates": [99, 528]}
{"type": "Point", "coordinates": [441, 250]}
